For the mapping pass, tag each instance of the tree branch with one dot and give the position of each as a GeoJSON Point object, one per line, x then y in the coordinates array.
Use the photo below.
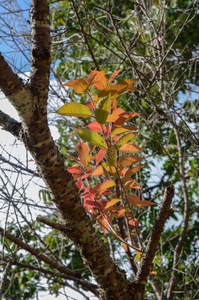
{"type": "Point", "coordinates": [9, 124]}
{"type": "Point", "coordinates": [90, 286]}
{"type": "Point", "coordinates": [38, 254]}
{"type": "Point", "coordinates": [147, 259]}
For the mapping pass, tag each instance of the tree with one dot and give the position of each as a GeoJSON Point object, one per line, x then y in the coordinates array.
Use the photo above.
{"type": "Point", "coordinates": [156, 43]}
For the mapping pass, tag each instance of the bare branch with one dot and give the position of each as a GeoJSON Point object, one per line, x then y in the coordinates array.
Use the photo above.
{"type": "Point", "coordinates": [147, 259]}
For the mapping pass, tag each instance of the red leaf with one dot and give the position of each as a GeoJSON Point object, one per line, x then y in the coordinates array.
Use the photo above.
{"type": "Point", "coordinates": [74, 170]}
{"type": "Point", "coordinates": [95, 126]}
{"type": "Point", "coordinates": [100, 156]}
{"type": "Point", "coordinates": [95, 205]}
{"type": "Point", "coordinates": [134, 222]}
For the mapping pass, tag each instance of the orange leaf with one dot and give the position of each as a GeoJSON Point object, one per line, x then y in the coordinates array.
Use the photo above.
{"type": "Point", "coordinates": [125, 247]}
{"type": "Point", "coordinates": [126, 160]}
{"type": "Point", "coordinates": [97, 172]}
{"type": "Point", "coordinates": [130, 148]}
{"type": "Point", "coordinates": [83, 153]}
{"type": "Point", "coordinates": [79, 85]}
{"type": "Point", "coordinates": [133, 170]}
{"type": "Point", "coordinates": [97, 77]}
{"type": "Point", "coordinates": [122, 129]}
{"type": "Point", "coordinates": [124, 117]}
{"type": "Point", "coordinates": [130, 183]}
{"type": "Point", "coordinates": [100, 156]}
{"type": "Point", "coordinates": [104, 185]}
{"type": "Point", "coordinates": [113, 75]}
{"type": "Point", "coordinates": [136, 201]}
{"type": "Point", "coordinates": [103, 224]}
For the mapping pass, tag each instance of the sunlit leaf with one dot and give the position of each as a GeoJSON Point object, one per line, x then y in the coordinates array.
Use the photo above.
{"type": "Point", "coordinates": [106, 184]}
{"type": "Point", "coordinates": [114, 75]}
{"type": "Point", "coordinates": [75, 110]}
{"type": "Point", "coordinates": [116, 89]}
{"type": "Point", "coordinates": [130, 183]}
{"type": "Point", "coordinates": [79, 85]}
{"type": "Point", "coordinates": [124, 117]}
{"type": "Point", "coordinates": [95, 126]}
{"type": "Point", "coordinates": [124, 139]}
{"type": "Point", "coordinates": [98, 171]}
{"type": "Point", "coordinates": [122, 129]}
{"type": "Point", "coordinates": [112, 155]}
{"type": "Point", "coordinates": [102, 109]}
{"type": "Point", "coordinates": [133, 170]}
{"type": "Point", "coordinates": [126, 160]}
{"type": "Point", "coordinates": [130, 148]}
{"type": "Point", "coordinates": [98, 79]}
{"type": "Point", "coordinates": [83, 153]}
{"type": "Point", "coordinates": [112, 202]}
{"type": "Point", "coordinates": [74, 170]}
{"type": "Point", "coordinates": [91, 136]}
{"type": "Point", "coordinates": [137, 257]}
{"type": "Point", "coordinates": [100, 156]}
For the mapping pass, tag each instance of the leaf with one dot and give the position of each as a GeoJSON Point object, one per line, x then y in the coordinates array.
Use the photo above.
{"type": "Point", "coordinates": [105, 185]}
{"type": "Point", "coordinates": [83, 154]}
{"type": "Point", "coordinates": [95, 126]}
{"type": "Point", "coordinates": [98, 79]}
{"type": "Point", "coordinates": [95, 204]}
{"type": "Point", "coordinates": [75, 110]}
{"type": "Point", "coordinates": [113, 75]}
{"type": "Point", "coordinates": [130, 148]}
{"type": "Point", "coordinates": [126, 160]}
{"type": "Point", "coordinates": [112, 155]}
{"type": "Point", "coordinates": [130, 183]}
{"type": "Point", "coordinates": [74, 170]}
{"type": "Point", "coordinates": [102, 109]}
{"type": "Point", "coordinates": [124, 117]}
{"type": "Point", "coordinates": [97, 172]}
{"type": "Point", "coordinates": [124, 139]}
{"type": "Point", "coordinates": [100, 156]}
{"type": "Point", "coordinates": [136, 201]}
{"type": "Point", "coordinates": [122, 129]}
{"type": "Point", "coordinates": [116, 89]}
{"type": "Point", "coordinates": [112, 202]}
{"type": "Point", "coordinates": [134, 222]}
{"type": "Point", "coordinates": [103, 224]}
{"type": "Point", "coordinates": [137, 257]}
{"type": "Point", "coordinates": [125, 247]}
{"type": "Point", "coordinates": [79, 85]}
{"type": "Point", "coordinates": [115, 114]}
{"type": "Point", "coordinates": [133, 170]}
{"type": "Point", "coordinates": [91, 136]}
{"type": "Point", "coordinates": [79, 185]}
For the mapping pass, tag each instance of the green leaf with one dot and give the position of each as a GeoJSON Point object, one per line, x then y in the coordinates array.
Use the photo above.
{"type": "Point", "coordinates": [102, 109]}
{"type": "Point", "coordinates": [91, 136]}
{"type": "Point", "coordinates": [75, 110]}
{"type": "Point", "coordinates": [124, 139]}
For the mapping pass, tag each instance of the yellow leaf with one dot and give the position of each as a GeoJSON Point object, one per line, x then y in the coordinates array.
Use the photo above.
{"type": "Point", "coordinates": [75, 110]}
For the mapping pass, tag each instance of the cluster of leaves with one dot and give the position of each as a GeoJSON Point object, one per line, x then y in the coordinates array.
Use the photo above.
{"type": "Point", "coordinates": [110, 155]}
